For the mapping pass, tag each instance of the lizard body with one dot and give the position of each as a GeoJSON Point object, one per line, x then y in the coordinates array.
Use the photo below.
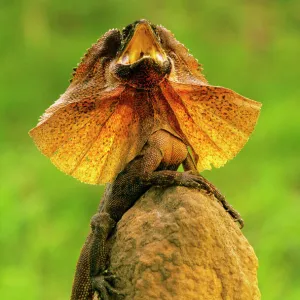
{"type": "Point", "coordinates": [155, 165]}
{"type": "Point", "coordinates": [137, 107]}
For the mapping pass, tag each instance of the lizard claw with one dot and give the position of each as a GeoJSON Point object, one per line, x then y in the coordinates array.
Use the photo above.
{"type": "Point", "coordinates": [103, 284]}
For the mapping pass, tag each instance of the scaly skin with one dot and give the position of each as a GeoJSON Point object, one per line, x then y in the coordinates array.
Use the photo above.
{"type": "Point", "coordinates": [137, 107]}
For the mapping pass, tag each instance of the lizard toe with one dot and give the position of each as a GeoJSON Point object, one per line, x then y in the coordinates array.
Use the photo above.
{"type": "Point", "coordinates": [104, 285]}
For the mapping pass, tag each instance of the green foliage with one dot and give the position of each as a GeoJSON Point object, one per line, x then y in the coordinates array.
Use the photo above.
{"type": "Point", "coordinates": [249, 46]}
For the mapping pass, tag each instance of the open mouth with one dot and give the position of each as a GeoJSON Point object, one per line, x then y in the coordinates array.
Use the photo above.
{"type": "Point", "coordinates": [143, 44]}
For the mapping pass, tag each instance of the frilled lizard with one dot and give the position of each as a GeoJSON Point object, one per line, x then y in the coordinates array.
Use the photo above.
{"type": "Point", "coordinates": [137, 108]}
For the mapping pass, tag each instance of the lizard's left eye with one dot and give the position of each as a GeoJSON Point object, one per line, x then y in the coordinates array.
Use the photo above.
{"type": "Point", "coordinates": [126, 31]}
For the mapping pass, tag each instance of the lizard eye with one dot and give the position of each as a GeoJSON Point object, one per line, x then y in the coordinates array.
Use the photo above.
{"type": "Point", "coordinates": [156, 32]}
{"type": "Point", "coordinates": [126, 31]}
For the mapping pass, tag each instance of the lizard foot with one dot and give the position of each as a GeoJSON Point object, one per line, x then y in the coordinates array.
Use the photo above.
{"type": "Point", "coordinates": [194, 180]}
{"type": "Point", "coordinates": [103, 284]}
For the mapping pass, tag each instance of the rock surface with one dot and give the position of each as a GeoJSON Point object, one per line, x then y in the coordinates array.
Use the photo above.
{"type": "Point", "coordinates": [177, 243]}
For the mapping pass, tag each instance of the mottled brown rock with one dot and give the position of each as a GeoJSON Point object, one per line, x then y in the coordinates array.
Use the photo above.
{"type": "Point", "coordinates": [178, 243]}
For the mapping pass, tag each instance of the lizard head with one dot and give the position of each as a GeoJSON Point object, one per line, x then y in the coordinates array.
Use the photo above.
{"type": "Point", "coordinates": [141, 55]}
{"type": "Point", "coordinates": [105, 116]}
{"type": "Point", "coordinates": [141, 60]}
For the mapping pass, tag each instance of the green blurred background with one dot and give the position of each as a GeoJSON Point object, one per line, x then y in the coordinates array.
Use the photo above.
{"type": "Point", "coordinates": [252, 47]}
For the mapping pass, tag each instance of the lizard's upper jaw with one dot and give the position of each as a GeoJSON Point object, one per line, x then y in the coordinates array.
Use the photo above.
{"type": "Point", "coordinates": [144, 44]}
